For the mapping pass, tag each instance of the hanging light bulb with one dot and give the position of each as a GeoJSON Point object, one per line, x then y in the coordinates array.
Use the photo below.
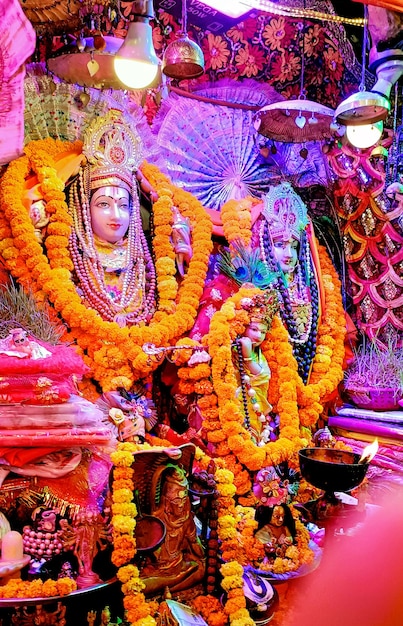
{"type": "Point", "coordinates": [364, 107]}
{"type": "Point", "coordinates": [136, 64]}
{"type": "Point", "coordinates": [183, 58]}
{"type": "Point", "coordinates": [365, 135]}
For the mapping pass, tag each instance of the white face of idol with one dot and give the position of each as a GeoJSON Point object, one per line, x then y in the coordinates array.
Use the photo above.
{"type": "Point", "coordinates": [110, 213]}
{"type": "Point", "coordinates": [286, 253]}
{"type": "Point", "coordinates": [256, 331]}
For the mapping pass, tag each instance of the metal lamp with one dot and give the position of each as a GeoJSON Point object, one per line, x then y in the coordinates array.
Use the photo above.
{"type": "Point", "coordinates": [183, 58]}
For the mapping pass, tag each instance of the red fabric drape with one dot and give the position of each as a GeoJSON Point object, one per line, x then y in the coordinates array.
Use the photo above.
{"type": "Point", "coordinates": [391, 5]}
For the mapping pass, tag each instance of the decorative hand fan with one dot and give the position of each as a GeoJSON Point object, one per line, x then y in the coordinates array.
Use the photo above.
{"type": "Point", "coordinates": [63, 111]}
{"type": "Point", "coordinates": [209, 143]}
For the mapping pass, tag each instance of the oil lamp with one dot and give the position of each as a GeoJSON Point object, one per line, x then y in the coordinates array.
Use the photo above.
{"type": "Point", "coordinates": [334, 471]}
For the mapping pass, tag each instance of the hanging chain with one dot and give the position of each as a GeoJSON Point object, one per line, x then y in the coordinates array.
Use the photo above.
{"type": "Point", "coordinates": [364, 48]}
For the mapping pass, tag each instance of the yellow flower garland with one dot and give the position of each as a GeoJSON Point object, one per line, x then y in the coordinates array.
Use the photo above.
{"type": "Point", "coordinates": [114, 354]}
{"type": "Point", "coordinates": [139, 611]}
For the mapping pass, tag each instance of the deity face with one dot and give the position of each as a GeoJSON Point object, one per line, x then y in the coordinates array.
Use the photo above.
{"type": "Point", "coordinates": [286, 253]}
{"type": "Point", "coordinates": [19, 338]}
{"type": "Point", "coordinates": [110, 213]}
{"type": "Point", "coordinates": [277, 518]}
{"type": "Point", "coordinates": [256, 331]}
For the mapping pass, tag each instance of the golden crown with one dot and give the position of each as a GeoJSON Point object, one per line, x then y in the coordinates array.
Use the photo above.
{"type": "Point", "coordinates": [285, 212]}
{"type": "Point", "coordinates": [113, 150]}
{"type": "Point", "coordinates": [262, 307]}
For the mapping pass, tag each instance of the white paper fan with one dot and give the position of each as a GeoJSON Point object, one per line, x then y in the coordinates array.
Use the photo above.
{"type": "Point", "coordinates": [210, 148]}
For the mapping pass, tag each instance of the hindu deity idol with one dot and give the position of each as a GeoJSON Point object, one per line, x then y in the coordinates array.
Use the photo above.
{"type": "Point", "coordinates": [284, 238]}
{"type": "Point", "coordinates": [252, 367]}
{"type": "Point", "coordinates": [112, 261]}
{"type": "Point", "coordinates": [113, 287]}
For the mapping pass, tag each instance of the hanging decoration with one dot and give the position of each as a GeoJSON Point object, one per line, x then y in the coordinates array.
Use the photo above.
{"type": "Point", "coordinates": [183, 58]}
{"type": "Point", "coordinates": [297, 120]}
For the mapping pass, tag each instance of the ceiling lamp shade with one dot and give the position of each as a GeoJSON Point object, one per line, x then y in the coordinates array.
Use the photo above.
{"type": "Point", "coordinates": [389, 68]}
{"type": "Point", "coordinates": [87, 66]}
{"type": "Point", "coordinates": [295, 121]}
{"type": "Point", "coordinates": [367, 107]}
{"type": "Point", "coordinates": [363, 107]}
{"type": "Point", "coordinates": [136, 64]}
{"type": "Point", "coordinates": [183, 58]}
{"type": "Point", "coordinates": [365, 135]}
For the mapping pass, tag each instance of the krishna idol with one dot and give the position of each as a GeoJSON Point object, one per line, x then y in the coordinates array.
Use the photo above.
{"type": "Point", "coordinates": [113, 288]}
{"type": "Point", "coordinates": [304, 346]}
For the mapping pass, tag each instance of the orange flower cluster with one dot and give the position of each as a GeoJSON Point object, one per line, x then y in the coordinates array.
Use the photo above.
{"type": "Point", "coordinates": [114, 354]}
{"type": "Point", "coordinates": [18, 588]}
{"type": "Point", "coordinates": [210, 609]}
{"type": "Point", "coordinates": [139, 611]}
{"type": "Point", "coordinates": [236, 219]}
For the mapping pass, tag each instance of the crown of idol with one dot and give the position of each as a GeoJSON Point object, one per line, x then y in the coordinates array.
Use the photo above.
{"type": "Point", "coordinates": [285, 212]}
{"type": "Point", "coordinates": [113, 150]}
{"type": "Point", "coordinates": [261, 307]}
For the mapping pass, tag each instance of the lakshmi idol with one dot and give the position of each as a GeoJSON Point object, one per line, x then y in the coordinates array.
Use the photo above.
{"type": "Point", "coordinates": [283, 235]}
{"type": "Point", "coordinates": [112, 289]}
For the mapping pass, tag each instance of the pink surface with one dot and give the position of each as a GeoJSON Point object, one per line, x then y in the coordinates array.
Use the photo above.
{"type": "Point", "coordinates": [17, 43]}
{"type": "Point", "coordinates": [376, 429]}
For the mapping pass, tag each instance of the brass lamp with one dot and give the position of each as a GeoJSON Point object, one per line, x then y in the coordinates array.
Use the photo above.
{"type": "Point", "coordinates": [183, 59]}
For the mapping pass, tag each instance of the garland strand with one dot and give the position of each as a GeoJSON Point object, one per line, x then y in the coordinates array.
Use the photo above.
{"type": "Point", "coordinates": [114, 354]}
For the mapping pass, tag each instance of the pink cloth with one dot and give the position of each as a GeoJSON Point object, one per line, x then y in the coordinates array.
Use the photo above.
{"type": "Point", "coordinates": [17, 43]}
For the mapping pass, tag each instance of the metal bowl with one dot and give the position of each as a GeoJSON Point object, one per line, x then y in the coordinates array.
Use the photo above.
{"type": "Point", "coordinates": [332, 470]}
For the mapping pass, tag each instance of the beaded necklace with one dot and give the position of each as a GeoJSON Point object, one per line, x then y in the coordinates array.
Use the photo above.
{"type": "Point", "coordinates": [247, 392]}
{"type": "Point", "coordinates": [135, 304]}
{"type": "Point", "coordinates": [299, 302]}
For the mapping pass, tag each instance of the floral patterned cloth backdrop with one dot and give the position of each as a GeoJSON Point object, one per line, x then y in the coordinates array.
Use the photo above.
{"type": "Point", "coordinates": [265, 47]}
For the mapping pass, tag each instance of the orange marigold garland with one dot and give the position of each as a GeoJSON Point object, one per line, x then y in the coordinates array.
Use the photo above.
{"type": "Point", "coordinates": [283, 390]}
{"type": "Point", "coordinates": [139, 611]}
{"type": "Point", "coordinates": [113, 354]}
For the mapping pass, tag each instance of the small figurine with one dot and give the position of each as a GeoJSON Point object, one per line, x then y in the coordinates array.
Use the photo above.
{"type": "Point", "coordinates": [323, 438]}
{"type": "Point", "coordinates": [276, 529]}
{"type": "Point", "coordinates": [18, 344]}
{"type": "Point", "coordinates": [91, 617]}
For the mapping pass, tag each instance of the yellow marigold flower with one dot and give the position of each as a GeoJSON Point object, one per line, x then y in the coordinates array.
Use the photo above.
{"type": "Point", "coordinates": [122, 495]}
{"type": "Point", "coordinates": [231, 569]}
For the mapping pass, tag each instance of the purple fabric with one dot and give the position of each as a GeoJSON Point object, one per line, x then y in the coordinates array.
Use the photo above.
{"type": "Point", "coordinates": [376, 429]}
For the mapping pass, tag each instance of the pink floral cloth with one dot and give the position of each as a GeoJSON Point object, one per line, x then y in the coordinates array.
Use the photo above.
{"type": "Point", "coordinates": [17, 43]}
